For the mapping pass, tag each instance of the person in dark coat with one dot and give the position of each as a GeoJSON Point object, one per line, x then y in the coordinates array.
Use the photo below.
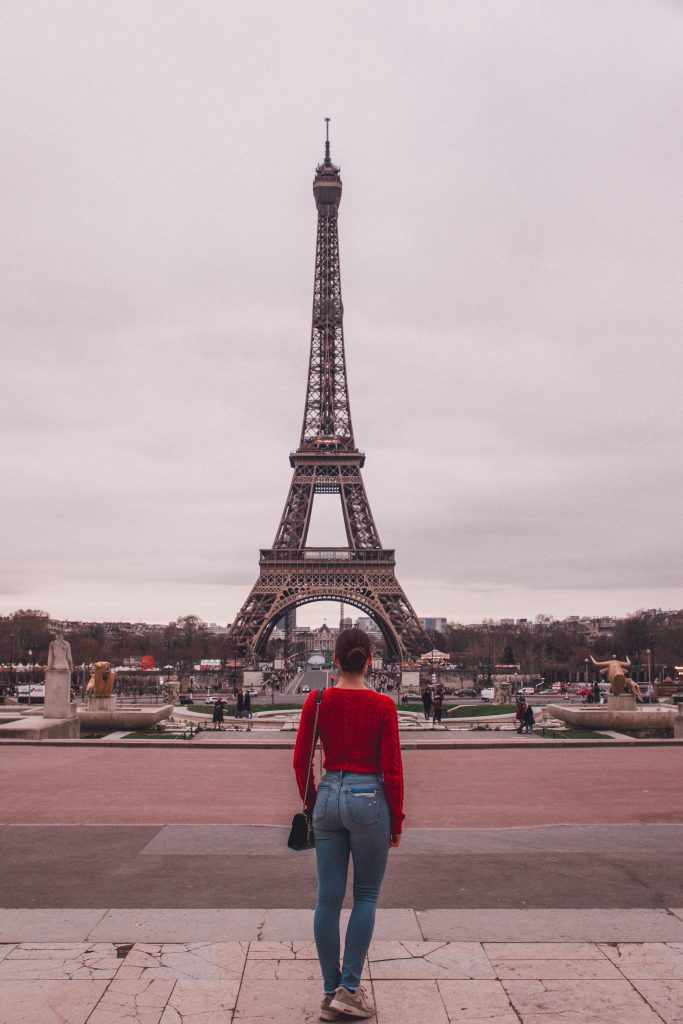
{"type": "Point", "coordinates": [239, 710]}
{"type": "Point", "coordinates": [427, 703]}
{"type": "Point", "coordinates": [218, 714]}
{"type": "Point", "coordinates": [529, 718]}
{"type": "Point", "coordinates": [520, 711]}
{"type": "Point", "coordinates": [437, 708]}
{"type": "Point", "coordinates": [247, 705]}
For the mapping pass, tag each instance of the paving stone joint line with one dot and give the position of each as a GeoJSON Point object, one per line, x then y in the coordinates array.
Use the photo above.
{"type": "Point", "coordinates": [437, 983]}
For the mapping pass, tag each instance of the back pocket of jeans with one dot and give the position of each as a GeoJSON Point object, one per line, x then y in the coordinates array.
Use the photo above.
{"type": "Point", "coordinates": [320, 806]}
{"type": "Point", "coordinates": [363, 804]}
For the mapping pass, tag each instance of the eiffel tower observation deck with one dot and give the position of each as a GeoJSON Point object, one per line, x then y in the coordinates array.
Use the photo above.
{"type": "Point", "coordinates": [327, 461]}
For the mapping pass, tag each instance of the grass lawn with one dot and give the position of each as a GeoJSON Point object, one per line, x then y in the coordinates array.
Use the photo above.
{"type": "Point", "coordinates": [481, 710]}
{"type": "Point", "coordinates": [229, 709]}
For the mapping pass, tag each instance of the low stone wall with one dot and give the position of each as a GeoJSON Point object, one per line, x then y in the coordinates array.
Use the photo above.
{"type": "Point", "coordinates": [35, 727]}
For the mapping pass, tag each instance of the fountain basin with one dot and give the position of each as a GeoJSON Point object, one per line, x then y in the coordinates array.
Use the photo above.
{"type": "Point", "coordinates": [650, 718]}
{"type": "Point", "coordinates": [116, 719]}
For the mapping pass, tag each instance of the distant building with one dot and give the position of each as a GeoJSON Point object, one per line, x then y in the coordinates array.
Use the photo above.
{"type": "Point", "coordinates": [287, 621]}
{"type": "Point", "coordinates": [368, 625]}
{"type": "Point", "coordinates": [215, 629]}
{"type": "Point", "coordinates": [435, 625]}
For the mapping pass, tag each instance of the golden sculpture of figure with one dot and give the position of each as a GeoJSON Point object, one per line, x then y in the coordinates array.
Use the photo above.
{"type": "Point", "coordinates": [632, 685]}
{"type": "Point", "coordinates": [101, 682]}
{"type": "Point", "coordinates": [615, 671]}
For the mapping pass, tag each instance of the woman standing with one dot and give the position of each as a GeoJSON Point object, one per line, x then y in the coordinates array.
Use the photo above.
{"type": "Point", "coordinates": [218, 714]}
{"type": "Point", "coordinates": [357, 813]}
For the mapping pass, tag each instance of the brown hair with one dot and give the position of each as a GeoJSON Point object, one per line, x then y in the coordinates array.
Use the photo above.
{"type": "Point", "coordinates": [352, 650]}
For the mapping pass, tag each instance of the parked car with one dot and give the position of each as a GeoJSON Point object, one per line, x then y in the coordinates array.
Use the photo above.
{"type": "Point", "coordinates": [253, 693]}
{"type": "Point", "coordinates": [186, 698]}
{"type": "Point", "coordinates": [465, 693]}
{"type": "Point", "coordinates": [527, 691]}
{"type": "Point", "coordinates": [488, 693]}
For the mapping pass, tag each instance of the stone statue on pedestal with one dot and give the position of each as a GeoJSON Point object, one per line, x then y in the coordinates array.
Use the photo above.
{"type": "Point", "coordinates": [59, 655]}
{"type": "Point", "coordinates": [170, 689]}
{"type": "Point", "coordinates": [502, 691]}
{"type": "Point", "coordinates": [60, 665]}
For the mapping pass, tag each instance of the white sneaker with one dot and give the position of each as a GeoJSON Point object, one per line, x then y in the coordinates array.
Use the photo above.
{"type": "Point", "coordinates": [353, 1004]}
{"type": "Point", "coordinates": [325, 1012]}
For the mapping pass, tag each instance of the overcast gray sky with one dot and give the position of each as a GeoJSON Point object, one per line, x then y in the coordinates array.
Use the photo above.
{"type": "Point", "coordinates": [511, 257]}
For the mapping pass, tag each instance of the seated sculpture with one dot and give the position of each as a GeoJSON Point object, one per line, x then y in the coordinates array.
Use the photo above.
{"type": "Point", "coordinates": [101, 682]}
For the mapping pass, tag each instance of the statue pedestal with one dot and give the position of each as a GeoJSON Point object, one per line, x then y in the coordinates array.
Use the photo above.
{"type": "Point", "coordinates": [624, 702]}
{"type": "Point", "coordinates": [678, 723]}
{"type": "Point", "coordinates": [106, 704]}
{"type": "Point", "coordinates": [58, 694]}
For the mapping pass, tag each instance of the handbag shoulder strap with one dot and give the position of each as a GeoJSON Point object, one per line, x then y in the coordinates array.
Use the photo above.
{"type": "Point", "coordinates": [318, 702]}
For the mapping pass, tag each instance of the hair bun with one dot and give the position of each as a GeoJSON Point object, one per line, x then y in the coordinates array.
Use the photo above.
{"type": "Point", "coordinates": [353, 650]}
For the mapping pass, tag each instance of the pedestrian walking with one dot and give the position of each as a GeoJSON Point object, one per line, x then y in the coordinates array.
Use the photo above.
{"type": "Point", "coordinates": [357, 813]}
{"type": "Point", "coordinates": [437, 708]}
{"type": "Point", "coordinates": [247, 705]}
{"type": "Point", "coordinates": [218, 718]}
{"type": "Point", "coordinates": [427, 703]}
{"type": "Point", "coordinates": [520, 709]}
{"type": "Point", "coordinates": [528, 719]}
{"type": "Point", "coordinates": [240, 704]}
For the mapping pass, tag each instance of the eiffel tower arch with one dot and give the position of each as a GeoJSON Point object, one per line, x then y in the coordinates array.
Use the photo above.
{"type": "Point", "coordinates": [327, 461]}
{"type": "Point", "coordinates": [366, 583]}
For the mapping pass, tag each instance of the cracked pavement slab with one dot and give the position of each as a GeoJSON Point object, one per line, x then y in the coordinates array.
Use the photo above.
{"type": "Point", "coordinates": [278, 982]}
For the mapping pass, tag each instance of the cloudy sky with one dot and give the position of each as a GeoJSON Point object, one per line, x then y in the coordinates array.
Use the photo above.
{"type": "Point", "coordinates": [511, 254]}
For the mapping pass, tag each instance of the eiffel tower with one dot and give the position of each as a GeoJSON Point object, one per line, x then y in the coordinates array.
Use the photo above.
{"type": "Point", "coordinates": [327, 461]}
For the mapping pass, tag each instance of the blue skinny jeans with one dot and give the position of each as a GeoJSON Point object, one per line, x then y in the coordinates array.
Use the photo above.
{"type": "Point", "coordinates": [351, 817]}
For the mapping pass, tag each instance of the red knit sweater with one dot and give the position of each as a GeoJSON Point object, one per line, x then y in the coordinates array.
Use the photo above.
{"type": "Point", "coordinates": [359, 733]}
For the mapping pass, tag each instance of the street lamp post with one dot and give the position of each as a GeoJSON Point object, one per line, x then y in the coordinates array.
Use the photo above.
{"type": "Point", "coordinates": [30, 685]}
{"type": "Point", "coordinates": [11, 661]}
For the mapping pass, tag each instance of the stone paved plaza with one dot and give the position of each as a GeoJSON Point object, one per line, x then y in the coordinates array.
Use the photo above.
{"type": "Point", "coordinates": [152, 886]}
{"type": "Point", "coordinates": [271, 981]}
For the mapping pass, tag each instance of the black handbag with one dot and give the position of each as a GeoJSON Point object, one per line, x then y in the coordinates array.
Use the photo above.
{"type": "Point", "coordinates": [301, 836]}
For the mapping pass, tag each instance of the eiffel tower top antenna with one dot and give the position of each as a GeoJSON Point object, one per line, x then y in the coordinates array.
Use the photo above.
{"type": "Point", "coordinates": [328, 161]}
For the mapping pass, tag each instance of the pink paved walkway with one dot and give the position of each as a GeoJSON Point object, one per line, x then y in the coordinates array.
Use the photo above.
{"type": "Point", "coordinates": [446, 788]}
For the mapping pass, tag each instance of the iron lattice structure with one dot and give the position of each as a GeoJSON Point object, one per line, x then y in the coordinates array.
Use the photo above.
{"type": "Point", "coordinates": [328, 462]}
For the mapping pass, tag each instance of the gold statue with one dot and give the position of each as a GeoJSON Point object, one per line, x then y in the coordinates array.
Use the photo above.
{"type": "Point", "coordinates": [101, 682]}
{"type": "Point", "coordinates": [615, 671]}
{"type": "Point", "coordinates": [632, 685]}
